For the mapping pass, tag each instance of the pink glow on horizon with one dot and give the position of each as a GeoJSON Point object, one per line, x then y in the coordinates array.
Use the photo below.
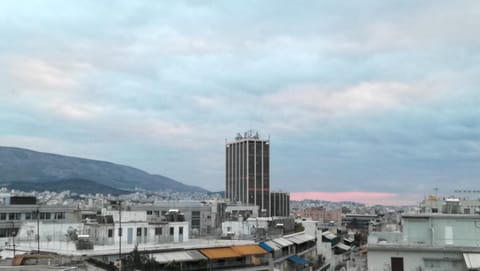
{"type": "Point", "coordinates": [369, 198]}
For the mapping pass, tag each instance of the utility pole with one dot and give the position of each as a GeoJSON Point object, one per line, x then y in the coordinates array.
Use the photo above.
{"type": "Point", "coordinates": [38, 230]}
{"type": "Point", "coordinates": [118, 203]}
{"type": "Point", "coordinates": [120, 233]}
{"type": "Point", "coordinates": [12, 233]}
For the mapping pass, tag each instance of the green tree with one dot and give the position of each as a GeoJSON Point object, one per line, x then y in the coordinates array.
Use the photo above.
{"type": "Point", "coordinates": [298, 227]}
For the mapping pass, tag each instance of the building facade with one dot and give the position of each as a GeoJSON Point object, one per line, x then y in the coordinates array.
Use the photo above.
{"type": "Point", "coordinates": [247, 166]}
{"type": "Point", "coordinates": [428, 242]}
{"type": "Point", "coordinates": [279, 204]}
{"type": "Point", "coordinates": [321, 214]}
{"type": "Point", "coordinates": [203, 217]}
{"type": "Point", "coordinates": [450, 205]}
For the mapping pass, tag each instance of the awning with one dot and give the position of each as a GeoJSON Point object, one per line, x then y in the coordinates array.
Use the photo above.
{"type": "Point", "coordinates": [301, 238]}
{"type": "Point", "coordinates": [472, 260]}
{"type": "Point", "coordinates": [298, 260]}
{"type": "Point", "coordinates": [273, 245]}
{"type": "Point", "coordinates": [343, 246]}
{"type": "Point", "coordinates": [282, 242]}
{"type": "Point", "coordinates": [220, 253]}
{"type": "Point", "coordinates": [246, 250]}
{"type": "Point", "coordinates": [265, 246]}
{"type": "Point", "coordinates": [179, 256]}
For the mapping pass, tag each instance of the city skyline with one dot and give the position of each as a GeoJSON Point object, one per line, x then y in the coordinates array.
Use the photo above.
{"type": "Point", "coordinates": [368, 99]}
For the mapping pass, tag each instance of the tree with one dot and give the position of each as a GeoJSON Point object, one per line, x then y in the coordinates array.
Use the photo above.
{"type": "Point", "coordinates": [138, 261]}
{"type": "Point", "coordinates": [298, 227]}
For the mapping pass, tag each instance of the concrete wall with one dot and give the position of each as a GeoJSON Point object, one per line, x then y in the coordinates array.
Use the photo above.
{"type": "Point", "coordinates": [239, 229]}
{"type": "Point", "coordinates": [127, 216]}
{"type": "Point", "coordinates": [459, 231]}
{"type": "Point", "coordinates": [417, 260]}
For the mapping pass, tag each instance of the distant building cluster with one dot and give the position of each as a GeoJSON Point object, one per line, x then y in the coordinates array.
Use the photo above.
{"type": "Point", "coordinates": [252, 228]}
{"type": "Point", "coordinates": [321, 214]}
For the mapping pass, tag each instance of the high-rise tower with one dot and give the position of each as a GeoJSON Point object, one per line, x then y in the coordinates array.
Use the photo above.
{"type": "Point", "coordinates": [247, 177]}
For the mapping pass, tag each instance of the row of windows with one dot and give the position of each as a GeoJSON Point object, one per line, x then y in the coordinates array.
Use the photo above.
{"type": "Point", "coordinates": [158, 231]}
{"type": "Point", "coordinates": [32, 215]}
{"type": "Point", "coordinates": [157, 213]}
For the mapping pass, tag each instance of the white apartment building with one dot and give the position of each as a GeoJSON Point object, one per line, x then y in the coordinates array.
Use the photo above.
{"type": "Point", "coordinates": [436, 242]}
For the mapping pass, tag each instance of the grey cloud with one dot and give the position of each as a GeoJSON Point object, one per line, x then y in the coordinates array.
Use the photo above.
{"type": "Point", "coordinates": [124, 78]}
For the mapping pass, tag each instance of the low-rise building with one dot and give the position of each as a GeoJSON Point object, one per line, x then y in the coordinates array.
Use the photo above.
{"type": "Point", "coordinates": [203, 217]}
{"type": "Point", "coordinates": [258, 228]}
{"type": "Point", "coordinates": [428, 242]}
{"type": "Point", "coordinates": [292, 252]}
{"type": "Point", "coordinates": [321, 214]}
{"type": "Point", "coordinates": [450, 205]}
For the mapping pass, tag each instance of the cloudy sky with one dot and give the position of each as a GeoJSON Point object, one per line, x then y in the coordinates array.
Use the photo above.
{"type": "Point", "coordinates": [379, 99]}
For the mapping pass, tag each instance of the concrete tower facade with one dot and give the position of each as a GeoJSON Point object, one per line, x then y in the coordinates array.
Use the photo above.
{"type": "Point", "coordinates": [247, 166]}
{"type": "Point", "coordinates": [279, 204]}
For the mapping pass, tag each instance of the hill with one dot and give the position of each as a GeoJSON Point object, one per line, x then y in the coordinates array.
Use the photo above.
{"type": "Point", "coordinates": [80, 186]}
{"type": "Point", "coordinates": [27, 166]}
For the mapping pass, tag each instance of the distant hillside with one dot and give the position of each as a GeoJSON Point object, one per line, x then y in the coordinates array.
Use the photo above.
{"type": "Point", "coordinates": [80, 186]}
{"type": "Point", "coordinates": [22, 165]}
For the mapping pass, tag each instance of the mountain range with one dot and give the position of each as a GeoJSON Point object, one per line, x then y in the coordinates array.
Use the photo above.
{"type": "Point", "coordinates": [23, 169]}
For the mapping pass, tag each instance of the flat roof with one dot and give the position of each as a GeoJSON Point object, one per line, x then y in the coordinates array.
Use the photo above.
{"type": "Point", "coordinates": [343, 246]}
{"type": "Point", "coordinates": [191, 244]}
{"type": "Point", "coordinates": [301, 238]}
{"type": "Point", "coordinates": [220, 253]}
{"type": "Point", "coordinates": [179, 256]}
{"type": "Point", "coordinates": [247, 250]}
{"type": "Point", "coordinates": [440, 215]}
{"type": "Point", "coordinates": [329, 235]}
{"type": "Point", "coordinates": [283, 242]}
{"type": "Point", "coordinates": [421, 247]}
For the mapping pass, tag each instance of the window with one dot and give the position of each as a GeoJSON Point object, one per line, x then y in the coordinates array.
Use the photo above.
{"type": "Point", "coordinates": [158, 231]}
{"type": "Point", "coordinates": [119, 231]}
{"type": "Point", "coordinates": [396, 263]}
{"type": "Point", "coordinates": [48, 215]}
{"type": "Point", "coordinates": [3, 216]}
{"type": "Point", "coordinates": [60, 215]}
{"type": "Point", "coordinates": [443, 264]}
{"type": "Point", "coordinates": [28, 216]}
{"type": "Point", "coordinates": [14, 216]}
{"type": "Point", "coordinates": [195, 220]}
{"type": "Point", "coordinates": [466, 211]}
{"type": "Point", "coordinates": [149, 212]}
{"type": "Point", "coordinates": [434, 210]}
{"type": "Point", "coordinates": [129, 235]}
{"type": "Point", "coordinates": [430, 263]}
{"type": "Point", "coordinates": [180, 230]}
{"type": "Point", "coordinates": [110, 233]}
{"type": "Point", "coordinates": [42, 215]}
{"type": "Point", "coordinates": [139, 231]}
{"type": "Point", "coordinates": [171, 230]}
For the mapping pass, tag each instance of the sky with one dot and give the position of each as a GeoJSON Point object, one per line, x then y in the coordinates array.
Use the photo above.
{"type": "Point", "coordinates": [375, 100]}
